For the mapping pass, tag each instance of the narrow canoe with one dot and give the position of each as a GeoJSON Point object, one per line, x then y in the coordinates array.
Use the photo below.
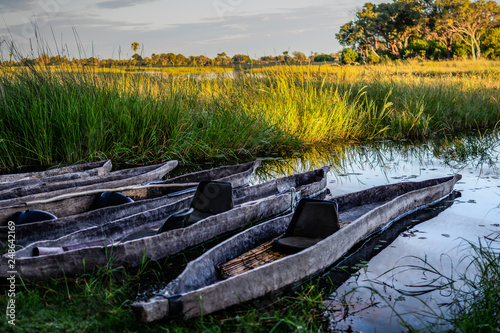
{"type": "Point", "coordinates": [69, 203]}
{"type": "Point", "coordinates": [100, 167]}
{"type": "Point", "coordinates": [45, 189]}
{"type": "Point", "coordinates": [10, 189]}
{"type": "Point", "coordinates": [198, 290]}
{"type": "Point", "coordinates": [145, 198]}
{"type": "Point", "coordinates": [252, 204]}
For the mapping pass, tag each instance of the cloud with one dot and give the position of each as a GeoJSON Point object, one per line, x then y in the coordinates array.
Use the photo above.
{"type": "Point", "coordinates": [7, 6]}
{"type": "Point", "coordinates": [313, 29]}
{"type": "Point", "coordinates": [113, 4]}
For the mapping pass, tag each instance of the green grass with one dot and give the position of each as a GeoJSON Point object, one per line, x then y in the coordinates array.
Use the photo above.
{"type": "Point", "coordinates": [62, 115]}
{"type": "Point", "coordinates": [101, 301]}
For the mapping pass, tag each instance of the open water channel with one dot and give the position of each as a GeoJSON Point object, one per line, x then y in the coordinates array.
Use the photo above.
{"type": "Point", "coordinates": [371, 299]}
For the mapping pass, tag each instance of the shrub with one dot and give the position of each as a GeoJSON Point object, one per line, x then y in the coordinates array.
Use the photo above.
{"type": "Point", "coordinates": [349, 56]}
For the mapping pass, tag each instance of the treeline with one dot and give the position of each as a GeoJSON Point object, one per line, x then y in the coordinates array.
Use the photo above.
{"type": "Point", "coordinates": [171, 59]}
{"type": "Point", "coordinates": [430, 29]}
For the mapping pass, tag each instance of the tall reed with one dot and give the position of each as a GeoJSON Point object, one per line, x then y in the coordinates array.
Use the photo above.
{"type": "Point", "coordinates": [69, 115]}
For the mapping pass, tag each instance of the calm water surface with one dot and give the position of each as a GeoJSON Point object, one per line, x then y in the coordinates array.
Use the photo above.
{"type": "Point", "coordinates": [372, 299]}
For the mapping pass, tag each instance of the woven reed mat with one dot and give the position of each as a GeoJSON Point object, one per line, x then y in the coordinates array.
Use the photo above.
{"type": "Point", "coordinates": [261, 255]}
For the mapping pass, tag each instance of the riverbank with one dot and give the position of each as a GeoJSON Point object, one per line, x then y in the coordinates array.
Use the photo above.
{"type": "Point", "coordinates": [63, 116]}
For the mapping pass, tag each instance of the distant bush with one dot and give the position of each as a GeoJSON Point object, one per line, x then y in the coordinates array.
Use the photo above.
{"type": "Point", "coordinates": [323, 58]}
{"type": "Point", "coordinates": [349, 56]}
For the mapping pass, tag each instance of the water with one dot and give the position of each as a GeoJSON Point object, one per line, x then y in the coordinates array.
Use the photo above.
{"type": "Point", "coordinates": [376, 304]}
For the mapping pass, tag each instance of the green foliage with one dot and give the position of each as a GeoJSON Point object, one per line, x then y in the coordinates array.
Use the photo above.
{"type": "Point", "coordinates": [373, 58]}
{"type": "Point", "coordinates": [460, 50]}
{"type": "Point", "coordinates": [69, 115]}
{"type": "Point", "coordinates": [323, 58]}
{"type": "Point", "coordinates": [491, 44]}
{"type": "Point", "coordinates": [421, 29]}
{"type": "Point", "coordinates": [349, 56]}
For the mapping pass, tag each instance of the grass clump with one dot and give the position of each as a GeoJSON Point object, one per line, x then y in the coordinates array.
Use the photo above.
{"type": "Point", "coordinates": [67, 115]}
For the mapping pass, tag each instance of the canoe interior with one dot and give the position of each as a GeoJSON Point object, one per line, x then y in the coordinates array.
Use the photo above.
{"type": "Point", "coordinates": [152, 218]}
{"type": "Point", "coordinates": [256, 257]}
{"type": "Point", "coordinates": [351, 207]}
{"type": "Point", "coordinates": [74, 182]}
{"type": "Point", "coordinates": [7, 178]}
{"type": "Point", "coordinates": [130, 253]}
{"type": "Point", "coordinates": [79, 217]}
{"type": "Point", "coordinates": [71, 201]}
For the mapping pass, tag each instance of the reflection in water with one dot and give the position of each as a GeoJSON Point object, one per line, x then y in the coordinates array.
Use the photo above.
{"type": "Point", "coordinates": [376, 304]}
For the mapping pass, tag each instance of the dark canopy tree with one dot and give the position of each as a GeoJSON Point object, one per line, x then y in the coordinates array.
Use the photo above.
{"type": "Point", "coordinates": [469, 20]}
{"type": "Point", "coordinates": [391, 24]}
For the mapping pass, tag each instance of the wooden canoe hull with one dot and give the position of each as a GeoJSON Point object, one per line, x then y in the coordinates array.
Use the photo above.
{"type": "Point", "coordinates": [36, 185]}
{"type": "Point", "coordinates": [198, 291]}
{"type": "Point", "coordinates": [69, 204]}
{"type": "Point", "coordinates": [146, 197]}
{"type": "Point", "coordinates": [87, 169]}
{"type": "Point", "coordinates": [252, 205]}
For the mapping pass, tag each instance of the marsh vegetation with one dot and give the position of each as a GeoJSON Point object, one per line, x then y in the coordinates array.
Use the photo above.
{"type": "Point", "coordinates": [67, 115]}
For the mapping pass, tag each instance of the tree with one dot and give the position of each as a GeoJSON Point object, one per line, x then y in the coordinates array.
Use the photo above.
{"type": "Point", "coordinates": [349, 56]}
{"type": "Point", "coordinates": [470, 20]}
{"type": "Point", "coordinates": [222, 59]}
{"type": "Point", "coordinates": [491, 43]}
{"type": "Point", "coordinates": [299, 56]}
{"type": "Point", "coordinates": [241, 58]}
{"type": "Point", "coordinates": [438, 13]}
{"type": "Point", "coordinates": [135, 46]}
{"type": "Point", "coordinates": [391, 24]}
{"type": "Point", "coordinates": [323, 58]}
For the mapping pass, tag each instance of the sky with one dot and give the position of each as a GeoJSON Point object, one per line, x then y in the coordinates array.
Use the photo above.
{"type": "Point", "coordinates": [106, 28]}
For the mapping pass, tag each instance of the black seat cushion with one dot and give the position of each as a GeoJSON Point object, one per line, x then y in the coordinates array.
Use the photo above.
{"type": "Point", "coordinates": [213, 197]}
{"type": "Point", "coordinates": [108, 199]}
{"type": "Point", "coordinates": [31, 216]}
{"type": "Point", "coordinates": [313, 221]}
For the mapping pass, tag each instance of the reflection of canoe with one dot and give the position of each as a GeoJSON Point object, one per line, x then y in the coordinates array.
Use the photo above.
{"type": "Point", "coordinates": [70, 203]}
{"type": "Point", "coordinates": [198, 290]}
{"type": "Point", "coordinates": [85, 167]}
{"type": "Point", "coordinates": [145, 197]}
{"type": "Point", "coordinates": [251, 204]}
{"type": "Point", "coordinates": [64, 174]}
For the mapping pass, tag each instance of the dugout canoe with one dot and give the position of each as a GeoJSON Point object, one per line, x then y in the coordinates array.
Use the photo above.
{"type": "Point", "coordinates": [198, 289]}
{"type": "Point", "coordinates": [251, 204]}
{"type": "Point", "coordinates": [92, 168]}
{"type": "Point", "coordinates": [146, 197]}
{"type": "Point", "coordinates": [46, 189]}
{"type": "Point", "coordinates": [10, 188]}
{"type": "Point", "coordinates": [66, 202]}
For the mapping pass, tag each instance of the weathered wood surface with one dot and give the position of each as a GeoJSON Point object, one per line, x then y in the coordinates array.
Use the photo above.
{"type": "Point", "coordinates": [18, 188]}
{"type": "Point", "coordinates": [75, 205]}
{"type": "Point", "coordinates": [92, 168]}
{"type": "Point", "coordinates": [44, 189]}
{"type": "Point", "coordinates": [146, 198]}
{"type": "Point", "coordinates": [197, 290]}
{"type": "Point", "coordinates": [252, 204]}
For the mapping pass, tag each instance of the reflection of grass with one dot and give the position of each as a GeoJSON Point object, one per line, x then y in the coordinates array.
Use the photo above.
{"type": "Point", "coordinates": [474, 294]}
{"type": "Point", "coordinates": [73, 114]}
{"type": "Point", "coordinates": [476, 150]}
